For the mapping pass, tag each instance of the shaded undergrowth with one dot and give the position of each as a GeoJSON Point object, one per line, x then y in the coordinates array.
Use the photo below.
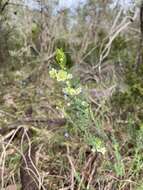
{"type": "Point", "coordinates": [97, 148]}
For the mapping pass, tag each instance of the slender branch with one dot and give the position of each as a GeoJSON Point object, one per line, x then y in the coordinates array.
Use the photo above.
{"type": "Point", "coordinates": [2, 7]}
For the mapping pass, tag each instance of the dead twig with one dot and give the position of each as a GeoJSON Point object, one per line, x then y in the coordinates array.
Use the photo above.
{"type": "Point", "coordinates": [73, 171]}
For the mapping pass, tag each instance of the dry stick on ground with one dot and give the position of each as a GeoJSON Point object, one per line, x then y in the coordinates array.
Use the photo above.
{"type": "Point", "coordinates": [23, 157]}
{"type": "Point", "coordinates": [95, 166]}
{"type": "Point", "coordinates": [91, 165]}
{"type": "Point", "coordinates": [86, 170]}
{"type": "Point", "coordinates": [73, 171]}
{"type": "Point", "coordinates": [49, 124]}
{"type": "Point", "coordinates": [30, 177]}
{"type": "Point", "coordinates": [27, 171]}
{"type": "Point", "coordinates": [3, 154]}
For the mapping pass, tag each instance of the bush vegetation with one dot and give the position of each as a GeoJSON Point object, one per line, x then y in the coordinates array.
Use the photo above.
{"type": "Point", "coordinates": [71, 96]}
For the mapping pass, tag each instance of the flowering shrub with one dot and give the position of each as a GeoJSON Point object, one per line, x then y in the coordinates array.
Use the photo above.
{"type": "Point", "coordinates": [60, 75]}
{"type": "Point", "coordinates": [63, 76]}
{"type": "Point", "coordinates": [75, 107]}
{"type": "Point", "coordinates": [61, 58]}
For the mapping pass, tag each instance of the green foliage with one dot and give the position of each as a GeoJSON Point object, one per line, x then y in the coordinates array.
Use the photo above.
{"type": "Point", "coordinates": [140, 137]}
{"type": "Point", "coordinates": [63, 76]}
{"type": "Point", "coordinates": [119, 44]}
{"type": "Point", "coordinates": [118, 165]}
{"type": "Point", "coordinates": [78, 114]}
{"type": "Point", "coordinates": [131, 100]}
{"type": "Point", "coordinates": [61, 58]}
{"type": "Point", "coordinates": [90, 126]}
{"type": "Point", "coordinates": [137, 164]}
{"type": "Point", "coordinates": [66, 46]}
{"type": "Point", "coordinates": [140, 187]}
{"type": "Point", "coordinates": [127, 106]}
{"type": "Point", "coordinates": [75, 106]}
{"type": "Point", "coordinates": [60, 75]}
{"type": "Point", "coordinates": [96, 143]}
{"type": "Point", "coordinates": [69, 90]}
{"type": "Point", "coordinates": [35, 29]}
{"type": "Point", "coordinates": [14, 160]}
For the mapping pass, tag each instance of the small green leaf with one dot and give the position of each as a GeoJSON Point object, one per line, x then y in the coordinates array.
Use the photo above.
{"type": "Point", "coordinates": [61, 58]}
